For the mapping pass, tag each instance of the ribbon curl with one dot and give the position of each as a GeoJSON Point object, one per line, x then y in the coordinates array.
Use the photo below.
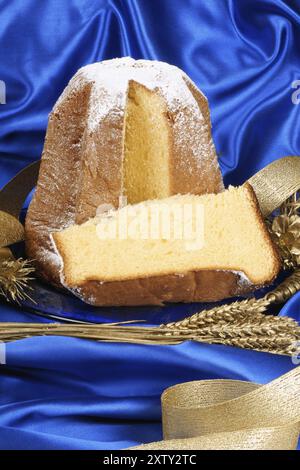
{"type": "Point", "coordinates": [231, 415]}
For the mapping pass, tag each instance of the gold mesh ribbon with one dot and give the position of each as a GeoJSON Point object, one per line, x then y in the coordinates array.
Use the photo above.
{"type": "Point", "coordinates": [231, 415]}
{"type": "Point", "coordinates": [12, 197]}
{"type": "Point", "coordinates": [275, 183]}
{"type": "Point", "coordinates": [12, 231]}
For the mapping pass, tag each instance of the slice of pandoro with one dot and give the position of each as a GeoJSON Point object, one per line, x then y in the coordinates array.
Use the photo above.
{"type": "Point", "coordinates": [184, 248]}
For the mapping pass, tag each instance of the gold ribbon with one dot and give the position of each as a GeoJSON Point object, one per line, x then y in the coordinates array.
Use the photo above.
{"type": "Point", "coordinates": [12, 231]}
{"type": "Point", "coordinates": [275, 183]}
{"type": "Point", "coordinates": [12, 197]}
{"type": "Point", "coordinates": [231, 415]}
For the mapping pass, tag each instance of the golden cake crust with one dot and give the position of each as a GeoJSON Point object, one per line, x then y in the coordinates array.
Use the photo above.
{"type": "Point", "coordinates": [200, 286]}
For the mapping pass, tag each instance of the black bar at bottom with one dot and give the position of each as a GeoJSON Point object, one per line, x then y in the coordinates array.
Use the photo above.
{"type": "Point", "coordinates": [134, 459]}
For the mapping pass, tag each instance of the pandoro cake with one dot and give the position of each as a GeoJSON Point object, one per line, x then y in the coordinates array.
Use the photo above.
{"type": "Point", "coordinates": [122, 128]}
{"type": "Point", "coordinates": [235, 254]}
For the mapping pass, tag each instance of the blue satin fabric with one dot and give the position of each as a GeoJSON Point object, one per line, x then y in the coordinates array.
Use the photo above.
{"type": "Point", "coordinates": [59, 393]}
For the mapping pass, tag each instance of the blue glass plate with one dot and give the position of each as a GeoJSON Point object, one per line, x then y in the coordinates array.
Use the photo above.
{"type": "Point", "coordinates": [52, 302]}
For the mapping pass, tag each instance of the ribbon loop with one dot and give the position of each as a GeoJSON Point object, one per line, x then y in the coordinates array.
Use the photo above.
{"type": "Point", "coordinates": [231, 414]}
{"type": "Point", "coordinates": [12, 197]}
{"type": "Point", "coordinates": [14, 193]}
{"type": "Point", "coordinates": [275, 183]}
{"type": "Point", "coordinates": [12, 231]}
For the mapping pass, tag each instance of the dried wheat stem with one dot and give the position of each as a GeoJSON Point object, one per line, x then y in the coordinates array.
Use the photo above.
{"type": "Point", "coordinates": [279, 337]}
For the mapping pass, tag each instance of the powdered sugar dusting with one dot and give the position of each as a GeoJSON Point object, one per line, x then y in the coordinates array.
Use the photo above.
{"type": "Point", "coordinates": [111, 79]}
{"type": "Point", "coordinates": [50, 257]}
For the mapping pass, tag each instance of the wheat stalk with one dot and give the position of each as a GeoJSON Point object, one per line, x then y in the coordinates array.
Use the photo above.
{"type": "Point", "coordinates": [229, 313]}
{"type": "Point", "coordinates": [284, 346]}
{"type": "Point", "coordinates": [272, 334]}
{"type": "Point", "coordinates": [242, 324]}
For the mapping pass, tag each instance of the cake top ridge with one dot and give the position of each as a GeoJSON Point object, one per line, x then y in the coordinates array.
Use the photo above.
{"type": "Point", "coordinates": [111, 79]}
{"type": "Point", "coordinates": [152, 72]}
